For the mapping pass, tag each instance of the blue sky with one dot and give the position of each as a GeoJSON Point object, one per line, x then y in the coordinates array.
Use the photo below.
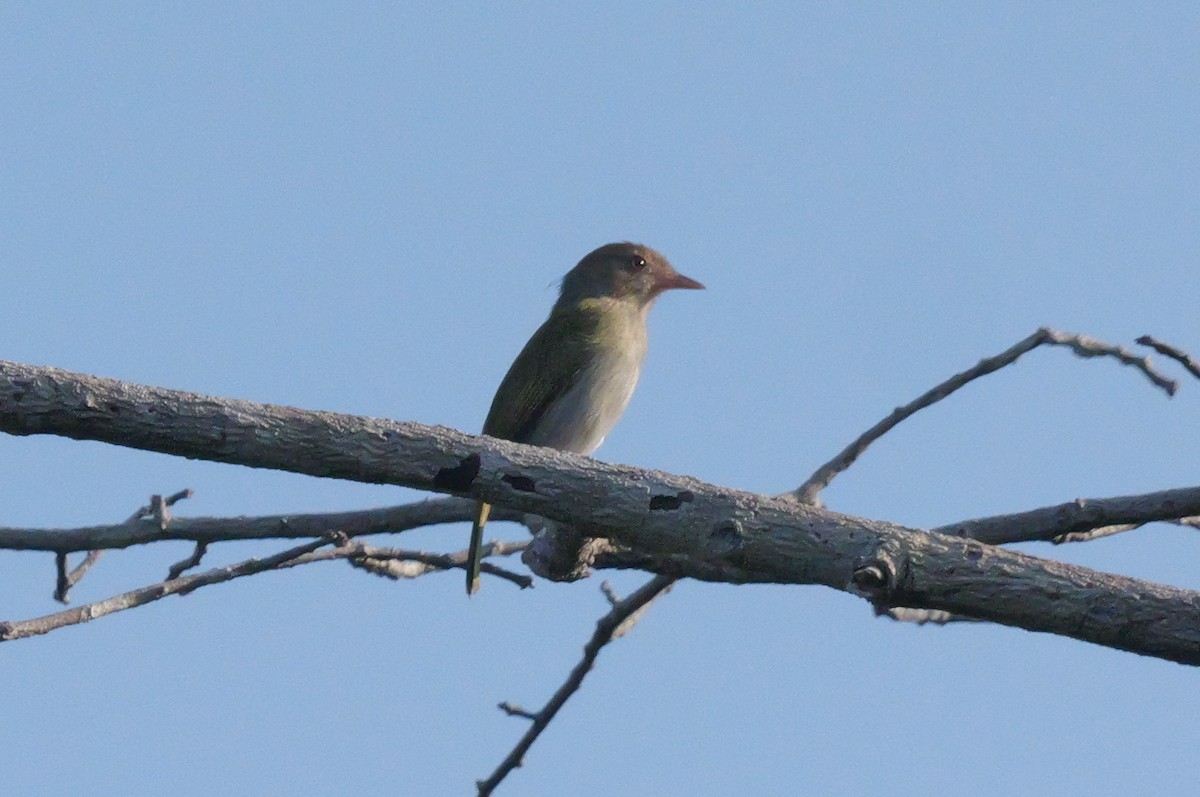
{"type": "Point", "coordinates": [365, 207]}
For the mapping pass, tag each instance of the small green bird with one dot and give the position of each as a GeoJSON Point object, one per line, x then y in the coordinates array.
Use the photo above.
{"type": "Point", "coordinates": [573, 379]}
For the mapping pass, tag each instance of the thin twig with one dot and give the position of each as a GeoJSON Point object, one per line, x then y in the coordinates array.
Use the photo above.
{"type": "Point", "coordinates": [1178, 355]}
{"type": "Point", "coordinates": [809, 492]}
{"type": "Point", "coordinates": [1108, 531]}
{"type": "Point", "coordinates": [516, 711]}
{"type": "Point", "coordinates": [175, 498]}
{"type": "Point", "coordinates": [389, 562]}
{"type": "Point", "coordinates": [183, 565]}
{"type": "Point", "coordinates": [151, 593]}
{"type": "Point", "coordinates": [63, 588]}
{"type": "Point", "coordinates": [139, 529]}
{"type": "Point", "coordinates": [1083, 516]}
{"type": "Point", "coordinates": [1098, 534]}
{"type": "Point", "coordinates": [157, 509]}
{"type": "Point", "coordinates": [62, 580]}
{"type": "Point", "coordinates": [611, 626]}
{"type": "Point", "coordinates": [293, 557]}
{"type": "Point", "coordinates": [1086, 347]}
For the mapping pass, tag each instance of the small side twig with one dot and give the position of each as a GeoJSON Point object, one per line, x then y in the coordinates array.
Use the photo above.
{"type": "Point", "coordinates": [1108, 531]}
{"type": "Point", "coordinates": [149, 594]}
{"type": "Point", "coordinates": [611, 626]}
{"type": "Point", "coordinates": [66, 580]}
{"type": "Point", "coordinates": [62, 580]}
{"type": "Point", "coordinates": [1178, 355]}
{"type": "Point", "coordinates": [156, 509]}
{"type": "Point", "coordinates": [610, 594]}
{"type": "Point", "coordinates": [395, 563]}
{"type": "Point", "coordinates": [179, 568]}
{"type": "Point", "coordinates": [516, 711]}
{"type": "Point", "coordinates": [809, 492]}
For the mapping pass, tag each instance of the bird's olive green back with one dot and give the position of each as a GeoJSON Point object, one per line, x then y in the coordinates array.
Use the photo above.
{"type": "Point", "coordinates": [551, 363]}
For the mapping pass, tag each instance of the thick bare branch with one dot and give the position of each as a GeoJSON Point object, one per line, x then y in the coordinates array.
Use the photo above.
{"type": "Point", "coordinates": [808, 493]}
{"type": "Point", "coordinates": [692, 528]}
{"type": "Point", "coordinates": [614, 625]}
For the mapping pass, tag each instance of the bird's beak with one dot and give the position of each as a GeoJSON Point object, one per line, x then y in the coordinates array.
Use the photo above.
{"type": "Point", "coordinates": [677, 280]}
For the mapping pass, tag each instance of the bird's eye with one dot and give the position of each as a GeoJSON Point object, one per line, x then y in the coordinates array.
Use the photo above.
{"type": "Point", "coordinates": [636, 263]}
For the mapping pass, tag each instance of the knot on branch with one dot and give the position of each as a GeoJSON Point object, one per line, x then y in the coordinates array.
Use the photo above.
{"type": "Point", "coordinates": [876, 579]}
{"type": "Point", "coordinates": [728, 537]}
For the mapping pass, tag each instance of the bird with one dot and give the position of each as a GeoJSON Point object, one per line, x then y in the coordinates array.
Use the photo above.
{"type": "Point", "coordinates": [572, 381]}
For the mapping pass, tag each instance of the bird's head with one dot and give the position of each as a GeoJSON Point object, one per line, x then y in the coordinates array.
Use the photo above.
{"type": "Point", "coordinates": [625, 271]}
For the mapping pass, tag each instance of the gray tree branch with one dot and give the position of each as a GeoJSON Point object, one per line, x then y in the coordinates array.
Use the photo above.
{"type": "Point", "coordinates": [390, 562]}
{"type": "Point", "coordinates": [623, 615]}
{"type": "Point", "coordinates": [684, 526]}
{"type": "Point", "coordinates": [141, 530]}
{"type": "Point", "coordinates": [1083, 516]}
{"type": "Point", "coordinates": [1081, 345]}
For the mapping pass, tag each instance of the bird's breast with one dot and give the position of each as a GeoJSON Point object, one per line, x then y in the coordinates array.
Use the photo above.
{"type": "Point", "coordinates": [580, 419]}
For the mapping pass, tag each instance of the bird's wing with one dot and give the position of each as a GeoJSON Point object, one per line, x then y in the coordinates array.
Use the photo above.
{"type": "Point", "coordinates": [552, 362]}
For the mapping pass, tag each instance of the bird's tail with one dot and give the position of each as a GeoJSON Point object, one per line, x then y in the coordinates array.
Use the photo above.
{"type": "Point", "coordinates": [475, 551]}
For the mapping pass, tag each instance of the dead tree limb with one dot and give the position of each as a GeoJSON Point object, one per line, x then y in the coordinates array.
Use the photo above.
{"type": "Point", "coordinates": [691, 528]}
{"type": "Point", "coordinates": [612, 626]}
